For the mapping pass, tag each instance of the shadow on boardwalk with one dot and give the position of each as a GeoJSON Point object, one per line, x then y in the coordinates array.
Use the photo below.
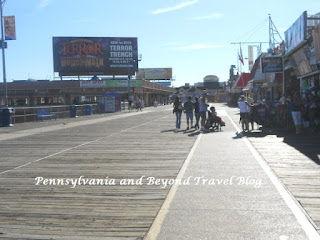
{"type": "Point", "coordinates": [306, 143]}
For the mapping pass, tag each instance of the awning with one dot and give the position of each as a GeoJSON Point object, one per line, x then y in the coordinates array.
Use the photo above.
{"type": "Point", "coordinates": [309, 74]}
{"type": "Point", "coordinates": [241, 81]}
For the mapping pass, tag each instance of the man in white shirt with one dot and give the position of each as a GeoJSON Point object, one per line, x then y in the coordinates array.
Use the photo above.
{"type": "Point", "coordinates": [244, 113]}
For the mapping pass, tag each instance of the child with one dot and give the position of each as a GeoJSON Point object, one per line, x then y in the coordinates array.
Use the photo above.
{"type": "Point", "coordinates": [213, 118]}
{"type": "Point", "coordinates": [213, 114]}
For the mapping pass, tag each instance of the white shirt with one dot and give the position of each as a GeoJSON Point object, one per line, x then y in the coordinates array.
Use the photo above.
{"type": "Point", "coordinates": [243, 107]}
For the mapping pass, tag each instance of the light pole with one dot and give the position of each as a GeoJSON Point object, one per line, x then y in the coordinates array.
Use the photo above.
{"type": "Point", "coordinates": [3, 55]}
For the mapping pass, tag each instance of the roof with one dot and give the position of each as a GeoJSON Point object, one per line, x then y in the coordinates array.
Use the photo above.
{"type": "Point", "coordinates": [241, 81]}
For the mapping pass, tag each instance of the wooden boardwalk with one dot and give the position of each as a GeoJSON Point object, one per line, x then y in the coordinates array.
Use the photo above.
{"type": "Point", "coordinates": [130, 146]}
{"type": "Point", "coordinates": [296, 162]}
{"type": "Point", "coordinates": [118, 147]}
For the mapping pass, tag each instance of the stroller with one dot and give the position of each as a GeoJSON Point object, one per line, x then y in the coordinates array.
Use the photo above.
{"type": "Point", "coordinates": [259, 115]}
{"type": "Point", "coordinates": [214, 123]}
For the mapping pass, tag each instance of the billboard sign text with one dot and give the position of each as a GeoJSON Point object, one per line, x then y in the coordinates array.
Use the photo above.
{"type": "Point", "coordinates": [77, 56]}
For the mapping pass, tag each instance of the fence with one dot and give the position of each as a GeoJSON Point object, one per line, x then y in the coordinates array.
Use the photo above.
{"type": "Point", "coordinates": [29, 114]}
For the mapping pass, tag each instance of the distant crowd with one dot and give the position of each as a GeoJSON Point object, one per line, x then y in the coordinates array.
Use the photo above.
{"type": "Point", "coordinates": [197, 108]}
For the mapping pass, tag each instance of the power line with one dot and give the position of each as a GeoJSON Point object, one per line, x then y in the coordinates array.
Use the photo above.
{"type": "Point", "coordinates": [254, 30]}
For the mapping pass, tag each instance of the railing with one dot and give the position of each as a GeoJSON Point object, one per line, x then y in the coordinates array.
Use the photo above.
{"type": "Point", "coordinates": [28, 114]}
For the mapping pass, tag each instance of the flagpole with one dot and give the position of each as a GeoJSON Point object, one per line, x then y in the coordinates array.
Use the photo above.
{"type": "Point", "coordinates": [3, 55]}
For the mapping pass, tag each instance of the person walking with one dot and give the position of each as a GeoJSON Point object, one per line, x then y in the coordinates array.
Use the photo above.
{"type": "Point", "coordinates": [177, 109]}
{"type": "Point", "coordinates": [130, 104]}
{"type": "Point", "coordinates": [244, 112]}
{"type": "Point", "coordinates": [139, 105]}
{"type": "Point", "coordinates": [196, 112]}
{"type": "Point", "coordinates": [203, 108]}
{"type": "Point", "coordinates": [296, 112]}
{"type": "Point", "coordinates": [188, 109]}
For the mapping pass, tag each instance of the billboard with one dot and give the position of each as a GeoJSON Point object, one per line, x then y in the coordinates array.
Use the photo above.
{"type": "Point", "coordinates": [10, 28]}
{"type": "Point", "coordinates": [302, 62]}
{"type": "Point", "coordinates": [78, 56]}
{"type": "Point", "coordinates": [271, 64]}
{"type": "Point", "coordinates": [296, 33]}
{"type": "Point", "coordinates": [316, 41]}
{"type": "Point", "coordinates": [154, 73]}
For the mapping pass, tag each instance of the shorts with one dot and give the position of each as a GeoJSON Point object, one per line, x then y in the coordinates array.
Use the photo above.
{"type": "Point", "coordinates": [203, 115]}
{"type": "Point", "coordinates": [189, 116]}
{"type": "Point", "coordinates": [296, 116]}
{"type": "Point", "coordinates": [244, 115]}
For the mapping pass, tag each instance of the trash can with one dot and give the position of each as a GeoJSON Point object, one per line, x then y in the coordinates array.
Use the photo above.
{"type": "Point", "coordinates": [88, 109]}
{"type": "Point", "coordinates": [73, 111]}
{"type": "Point", "coordinates": [6, 115]}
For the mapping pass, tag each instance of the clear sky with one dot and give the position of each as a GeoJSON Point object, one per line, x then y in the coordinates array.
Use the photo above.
{"type": "Point", "coordinates": [193, 37]}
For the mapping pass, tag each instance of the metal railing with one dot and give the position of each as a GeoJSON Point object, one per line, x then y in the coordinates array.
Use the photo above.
{"type": "Point", "coordinates": [29, 114]}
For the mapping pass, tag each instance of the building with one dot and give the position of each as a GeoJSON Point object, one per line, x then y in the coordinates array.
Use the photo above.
{"type": "Point", "coordinates": [44, 92]}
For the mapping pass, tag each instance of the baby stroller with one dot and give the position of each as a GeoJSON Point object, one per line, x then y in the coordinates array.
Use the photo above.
{"type": "Point", "coordinates": [214, 123]}
{"type": "Point", "coordinates": [262, 114]}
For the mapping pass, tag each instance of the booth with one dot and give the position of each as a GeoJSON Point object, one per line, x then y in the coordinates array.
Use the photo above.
{"type": "Point", "coordinates": [112, 102]}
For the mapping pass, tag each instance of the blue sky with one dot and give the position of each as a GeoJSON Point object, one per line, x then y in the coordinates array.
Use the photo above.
{"type": "Point", "coordinates": [193, 37]}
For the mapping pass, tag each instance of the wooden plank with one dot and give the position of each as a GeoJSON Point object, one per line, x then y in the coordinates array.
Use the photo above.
{"type": "Point", "coordinates": [147, 148]}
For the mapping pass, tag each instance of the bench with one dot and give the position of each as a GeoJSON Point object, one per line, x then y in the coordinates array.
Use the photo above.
{"type": "Point", "coordinates": [44, 114]}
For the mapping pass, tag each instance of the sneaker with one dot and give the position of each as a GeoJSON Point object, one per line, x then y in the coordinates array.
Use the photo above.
{"type": "Point", "coordinates": [176, 130]}
{"type": "Point", "coordinates": [187, 128]}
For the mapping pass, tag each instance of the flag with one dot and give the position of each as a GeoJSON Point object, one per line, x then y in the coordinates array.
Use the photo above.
{"type": "Point", "coordinates": [10, 28]}
{"type": "Point", "coordinates": [240, 56]}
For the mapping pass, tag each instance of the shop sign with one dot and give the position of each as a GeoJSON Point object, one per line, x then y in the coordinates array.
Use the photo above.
{"type": "Point", "coordinates": [123, 83]}
{"type": "Point", "coordinates": [271, 64]}
{"type": "Point", "coordinates": [93, 84]}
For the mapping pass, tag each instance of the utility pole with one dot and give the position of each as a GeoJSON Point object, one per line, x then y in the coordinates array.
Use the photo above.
{"type": "Point", "coordinates": [272, 41]}
{"type": "Point", "coordinates": [3, 55]}
{"type": "Point", "coordinates": [272, 32]}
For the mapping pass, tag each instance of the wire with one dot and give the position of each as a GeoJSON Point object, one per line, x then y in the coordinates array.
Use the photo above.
{"type": "Point", "coordinates": [254, 30]}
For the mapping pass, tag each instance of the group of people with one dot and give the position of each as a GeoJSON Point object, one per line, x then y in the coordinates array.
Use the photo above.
{"type": "Point", "coordinates": [244, 107]}
{"type": "Point", "coordinates": [307, 110]}
{"type": "Point", "coordinates": [137, 103]}
{"type": "Point", "coordinates": [197, 108]}
{"type": "Point", "coordinates": [300, 111]}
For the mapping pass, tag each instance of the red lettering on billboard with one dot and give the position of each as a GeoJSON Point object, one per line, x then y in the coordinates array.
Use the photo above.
{"type": "Point", "coordinates": [70, 49]}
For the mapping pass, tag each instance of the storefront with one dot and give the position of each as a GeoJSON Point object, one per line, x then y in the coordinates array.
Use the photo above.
{"type": "Point", "coordinates": [34, 93]}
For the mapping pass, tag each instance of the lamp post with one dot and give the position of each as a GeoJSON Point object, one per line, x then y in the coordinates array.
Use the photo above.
{"type": "Point", "coordinates": [3, 55]}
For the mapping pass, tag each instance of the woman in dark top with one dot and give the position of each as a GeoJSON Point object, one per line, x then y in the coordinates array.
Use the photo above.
{"type": "Point", "coordinates": [177, 109]}
{"type": "Point", "coordinates": [197, 113]}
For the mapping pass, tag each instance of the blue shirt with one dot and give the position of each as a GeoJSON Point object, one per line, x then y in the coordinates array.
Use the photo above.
{"type": "Point", "coordinates": [196, 107]}
{"type": "Point", "coordinates": [203, 105]}
{"type": "Point", "coordinates": [188, 106]}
